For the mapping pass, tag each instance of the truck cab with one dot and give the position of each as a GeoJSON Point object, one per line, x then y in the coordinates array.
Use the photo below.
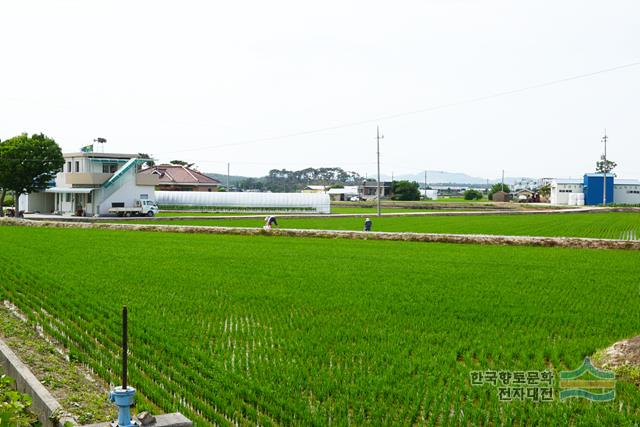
{"type": "Point", "coordinates": [148, 207]}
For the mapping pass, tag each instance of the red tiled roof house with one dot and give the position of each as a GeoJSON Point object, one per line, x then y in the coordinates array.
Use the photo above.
{"type": "Point", "coordinates": [181, 178]}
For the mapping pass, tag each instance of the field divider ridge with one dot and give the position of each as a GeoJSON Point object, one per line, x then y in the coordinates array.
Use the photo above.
{"type": "Point", "coordinates": [486, 239]}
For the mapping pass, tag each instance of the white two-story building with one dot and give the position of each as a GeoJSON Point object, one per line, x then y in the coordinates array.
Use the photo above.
{"type": "Point", "coordinates": [92, 183]}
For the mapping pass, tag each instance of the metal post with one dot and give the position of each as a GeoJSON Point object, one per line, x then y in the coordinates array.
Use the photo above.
{"type": "Point", "coordinates": [124, 396]}
{"type": "Point", "coordinates": [378, 137]}
{"type": "Point", "coordinates": [125, 346]}
{"type": "Point", "coordinates": [604, 170]}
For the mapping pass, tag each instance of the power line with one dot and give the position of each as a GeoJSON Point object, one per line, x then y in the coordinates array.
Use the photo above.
{"type": "Point", "coordinates": [419, 111]}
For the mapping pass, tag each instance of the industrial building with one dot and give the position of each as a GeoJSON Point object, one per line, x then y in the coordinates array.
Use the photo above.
{"type": "Point", "coordinates": [590, 190]}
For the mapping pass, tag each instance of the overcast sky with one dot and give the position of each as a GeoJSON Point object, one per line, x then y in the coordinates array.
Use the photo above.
{"type": "Point", "coordinates": [254, 83]}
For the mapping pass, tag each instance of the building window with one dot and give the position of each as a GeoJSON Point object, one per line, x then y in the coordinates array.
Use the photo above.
{"type": "Point", "coordinates": [89, 198]}
{"type": "Point", "coordinates": [68, 166]}
{"type": "Point", "coordinates": [144, 197]}
{"type": "Point", "coordinates": [109, 168]}
{"type": "Point", "coordinates": [77, 166]}
{"type": "Point", "coordinates": [67, 197]}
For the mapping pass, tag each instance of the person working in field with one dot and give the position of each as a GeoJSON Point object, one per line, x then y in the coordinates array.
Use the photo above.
{"type": "Point", "coordinates": [270, 222]}
{"type": "Point", "coordinates": [367, 224]}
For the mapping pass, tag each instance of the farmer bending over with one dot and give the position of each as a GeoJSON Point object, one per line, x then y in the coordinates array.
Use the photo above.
{"type": "Point", "coordinates": [270, 221]}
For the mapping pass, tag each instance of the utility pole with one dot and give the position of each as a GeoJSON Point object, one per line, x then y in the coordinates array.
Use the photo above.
{"type": "Point", "coordinates": [604, 169]}
{"type": "Point", "coordinates": [378, 137]}
{"type": "Point", "coordinates": [228, 168]}
{"type": "Point", "coordinates": [425, 184]}
{"type": "Point", "coordinates": [503, 180]}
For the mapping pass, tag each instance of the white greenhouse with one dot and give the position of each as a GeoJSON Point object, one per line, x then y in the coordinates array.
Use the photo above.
{"type": "Point", "coordinates": [249, 201]}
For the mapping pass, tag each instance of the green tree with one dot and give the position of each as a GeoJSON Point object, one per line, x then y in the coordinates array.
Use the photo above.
{"type": "Point", "coordinates": [149, 163]}
{"type": "Point", "coordinates": [181, 163]}
{"type": "Point", "coordinates": [405, 190]}
{"type": "Point", "coordinates": [545, 191]}
{"type": "Point", "coordinates": [607, 166]}
{"type": "Point", "coordinates": [498, 187]}
{"type": "Point", "coordinates": [472, 195]}
{"type": "Point", "coordinates": [3, 197]}
{"type": "Point", "coordinates": [3, 190]}
{"type": "Point", "coordinates": [27, 164]}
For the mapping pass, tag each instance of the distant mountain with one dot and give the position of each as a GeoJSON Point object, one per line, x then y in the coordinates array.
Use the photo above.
{"type": "Point", "coordinates": [441, 177]}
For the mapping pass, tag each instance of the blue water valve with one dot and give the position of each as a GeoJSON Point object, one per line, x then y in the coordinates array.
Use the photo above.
{"type": "Point", "coordinates": [123, 398]}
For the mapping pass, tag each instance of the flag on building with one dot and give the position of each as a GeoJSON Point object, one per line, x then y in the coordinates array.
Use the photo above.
{"type": "Point", "coordinates": [87, 148]}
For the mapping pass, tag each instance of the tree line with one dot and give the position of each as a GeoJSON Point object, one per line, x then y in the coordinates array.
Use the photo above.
{"type": "Point", "coordinates": [284, 180]}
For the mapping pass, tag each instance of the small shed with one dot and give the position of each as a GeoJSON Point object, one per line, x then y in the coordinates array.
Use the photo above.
{"type": "Point", "coordinates": [344, 193]}
{"type": "Point", "coordinates": [501, 196]}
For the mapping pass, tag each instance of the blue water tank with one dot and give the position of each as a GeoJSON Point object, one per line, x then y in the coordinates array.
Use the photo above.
{"type": "Point", "coordinates": [593, 188]}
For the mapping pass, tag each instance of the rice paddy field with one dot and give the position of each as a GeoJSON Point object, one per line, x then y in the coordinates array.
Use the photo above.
{"type": "Point", "coordinates": [251, 330]}
{"type": "Point", "coordinates": [609, 225]}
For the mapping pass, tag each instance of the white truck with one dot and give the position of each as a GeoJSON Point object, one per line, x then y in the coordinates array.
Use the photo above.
{"type": "Point", "coordinates": [141, 208]}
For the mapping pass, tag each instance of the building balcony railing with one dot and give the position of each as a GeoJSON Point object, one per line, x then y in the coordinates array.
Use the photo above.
{"type": "Point", "coordinates": [81, 178]}
{"type": "Point", "coordinates": [147, 179]}
{"type": "Point", "coordinates": [97, 179]}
